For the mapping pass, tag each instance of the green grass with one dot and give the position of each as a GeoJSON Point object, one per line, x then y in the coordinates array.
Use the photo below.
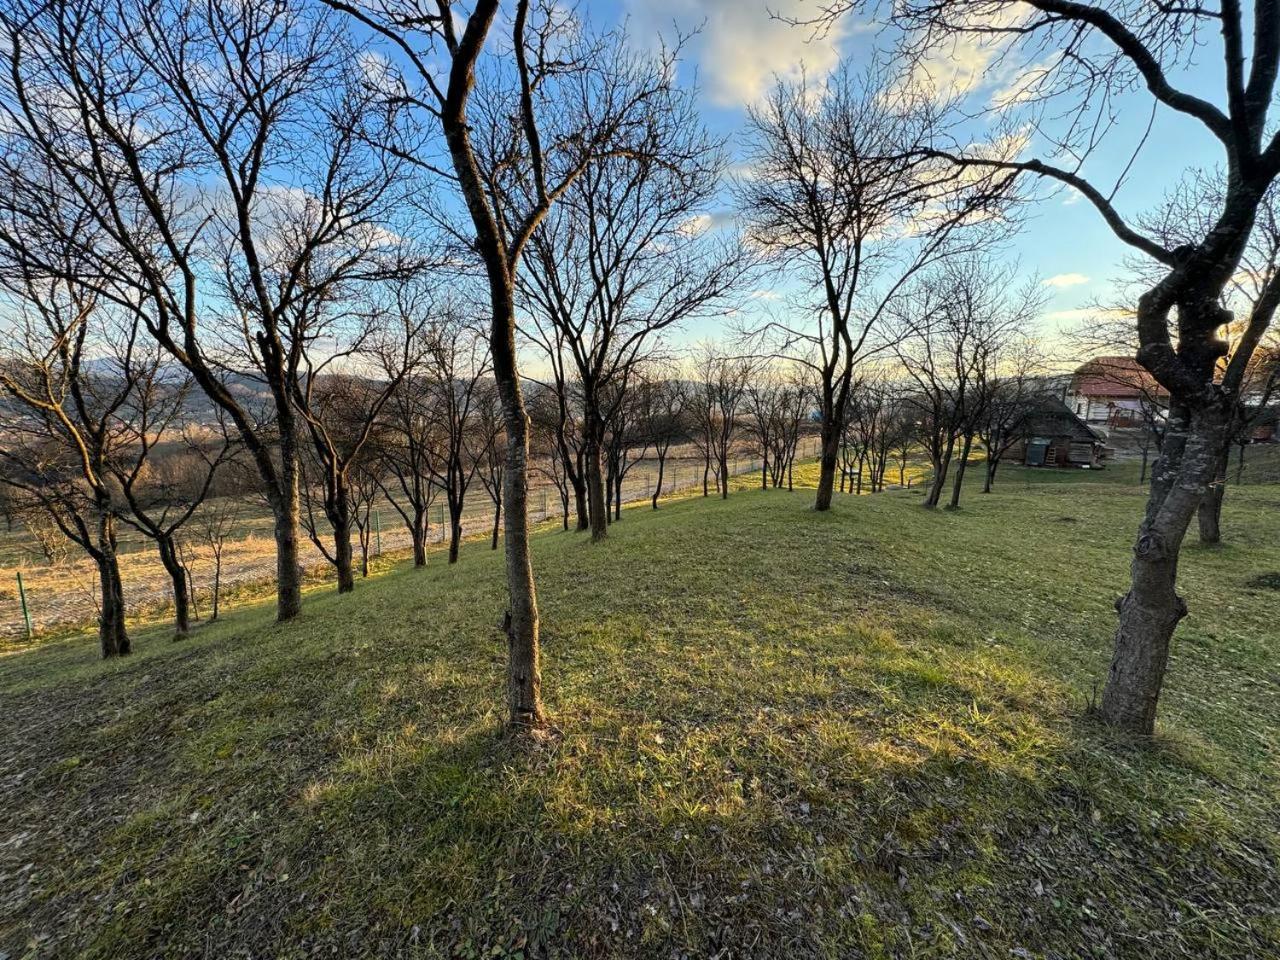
{"type": "Point", "coordinates": [781, 734]}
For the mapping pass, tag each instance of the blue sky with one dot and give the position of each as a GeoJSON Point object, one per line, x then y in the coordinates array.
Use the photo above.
{"type": "Point", "coordinates": [740, 49]}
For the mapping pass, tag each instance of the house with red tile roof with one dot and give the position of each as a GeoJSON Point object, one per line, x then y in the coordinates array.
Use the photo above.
{"type": "Point", "coordinates": [1113, 391]}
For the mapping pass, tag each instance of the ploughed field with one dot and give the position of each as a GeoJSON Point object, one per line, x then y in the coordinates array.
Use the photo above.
{"type": "Point", "coordinates": [780, 734]}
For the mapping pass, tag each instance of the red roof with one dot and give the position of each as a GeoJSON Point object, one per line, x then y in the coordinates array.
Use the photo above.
{"type": "Point", "coordinates": [1113, 377]}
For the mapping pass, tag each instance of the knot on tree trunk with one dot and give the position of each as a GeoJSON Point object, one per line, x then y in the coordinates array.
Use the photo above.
{"type": "Point", "coordinates": [505, 626]}
{"type": "Point", "coordinates": [1152, 546]}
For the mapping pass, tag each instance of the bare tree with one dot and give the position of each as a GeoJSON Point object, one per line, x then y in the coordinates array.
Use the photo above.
{"type": "Point", "coordinates": [720, 392]}
{"type": "Point", "coordinates": [490, 456]}
{"type": "Point", "coordinates": [233, 209]}
{"type": "Point", "coordinates": [62, 425]}
{"type": "Point", "coordinates": [624, 256]}
{"type": "Point", "coordinates": [365, 487]}
{"type": "Point", "coordinates": [216, 521]}
{"type": "Point", "coordinates": [162, 488]}
{"type": "Point", "coordinates": [839, 191]}
{"type": "Point", "coordinates": [955, 324]}
{"type": "Point", "coordinates": [342, 407]}
{"type": "Point", "coordinates": [1014, 390]}
{"type": "Point", "coordinates": [456, 357]}
{"type": "Point", "coordinates": [663, 401]}
{"type": "Point", "coordinates": [576, 99]}
{"type": "Point", "coordinates": [1095, 52]}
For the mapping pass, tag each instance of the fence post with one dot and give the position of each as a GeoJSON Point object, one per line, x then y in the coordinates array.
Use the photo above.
{"type": "Point", "coordinates": [22, 597]}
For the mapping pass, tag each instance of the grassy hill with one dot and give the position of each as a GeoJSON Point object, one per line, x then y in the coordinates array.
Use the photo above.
{"type": "Point", "coordinates": [781, 735]}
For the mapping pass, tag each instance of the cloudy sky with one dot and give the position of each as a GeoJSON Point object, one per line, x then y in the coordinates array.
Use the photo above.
{"type": "Point", "coordinates": [740, 48]}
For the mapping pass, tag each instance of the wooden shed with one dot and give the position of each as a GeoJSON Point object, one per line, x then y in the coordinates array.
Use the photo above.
{"type": "Point", "coordinates": [1053, 436]}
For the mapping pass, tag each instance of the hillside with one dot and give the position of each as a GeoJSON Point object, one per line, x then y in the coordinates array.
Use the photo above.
{"type": "Point", "coordinates": [781, 734]}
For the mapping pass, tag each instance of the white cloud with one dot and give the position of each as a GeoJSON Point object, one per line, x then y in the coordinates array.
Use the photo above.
{"type": "Point", "coordinates": [696, 225]}
{"type": "Point", "coordinates": [743, 44]}
{"type": "Point", "coordinates": [1066, 280]}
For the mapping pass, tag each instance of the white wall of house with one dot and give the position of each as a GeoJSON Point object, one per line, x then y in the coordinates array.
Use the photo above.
{"type": "Point", "coordinates": [1100, 409]}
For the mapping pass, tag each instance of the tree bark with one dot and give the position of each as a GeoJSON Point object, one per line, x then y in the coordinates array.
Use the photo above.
{"type": "Point", "coordinates": [455, 525]}
{"type": "Point", "coordinates": [657, 487]}
{"type": "Point", "coordinates": [1210, 509]}
{"type": "Point", "coordinates": [940, 467]}
{"type": "Point", "coordinates": [497, 520]}
{"type": "Point", "coordinates": [960, 468]}
{"type": "Point", "coordinates": [287, 507]}
{"type": "Point", "coordinates": [338, 509]}
{"type": "Point", "coordinates": [831, 433]}
{"type": "Point", "coordinates": [598, 507]}
{"type": "Point", "coordinates": [1152, 609]}
{"type": "Point", "coordinates": [418, 534]}
{"type": "Point", "coordinates": [580, 501]}
{"type": "Point", "coordinates": [113, 637]}
{"type": "Point", "coordinates": [181, 591]}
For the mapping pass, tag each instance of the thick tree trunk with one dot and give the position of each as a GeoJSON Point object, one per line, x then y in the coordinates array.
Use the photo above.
{"type": "Point", "coordinates": [580, 502]}
{"type": "Point", "coordinates": [181, 591]}
{"type": "Point", "coordinates": [287, 508]}
{"type": "Point", "coordinates": [524, 675]}
{"type": "Point", "coordinates": [832, 428]}
{"type": "Point", "coordinates": [1151, 610]}
{"type": "Point", "coordinates": [960, 469]}
{"type": "Point", "coordinates": [598, 506]}
{"type": "Point", "coordinates": [339, 510]}
{"type": "Point", "coordinates": [418, 534]}
{"type": "Point", "coordinates": [989, 478]}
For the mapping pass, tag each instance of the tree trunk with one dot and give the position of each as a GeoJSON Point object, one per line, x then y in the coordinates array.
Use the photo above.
{"type": "Point", "coordinates": [288, 511]}
{"type": "Point", "coordinates": [112, 635]}
{"type": "Point", "coordinates": [524, 675]}
{"type": "Point", "coordinates": [1151, 610]}
{"type": "Point", "coordinates": [418, 534]}
{"type": "Point", "coordinates": [339, 510]}
{"type": "Point", "coordinates": [580, 502]}
{"type": "Point", "coordinates": [724, 475]}
{"type": "Point", "coordinates": [598, 511]}
{"type": "Point", "coordinates": [832, 428]}
{"type": "Point", "coordinates": [455, 526]}
{"type": "Point", "coordinates": [1210, 510]}
{"type": "Point", "coordinates": [497, 519]}
{"type": "Point", "coordinates": [181, 592]}
{"type": "Point", "coordinates": [940, 467]}
{"type": "Point", "coordinates": [960, 468]}
{"type": "Point", "coordinates": [657, 487]}
{"type": "Point", "coordinates": [217, 583]}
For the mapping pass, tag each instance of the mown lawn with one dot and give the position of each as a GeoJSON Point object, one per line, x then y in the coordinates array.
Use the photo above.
{"type": "Point", "coordinates": [781, 734]}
